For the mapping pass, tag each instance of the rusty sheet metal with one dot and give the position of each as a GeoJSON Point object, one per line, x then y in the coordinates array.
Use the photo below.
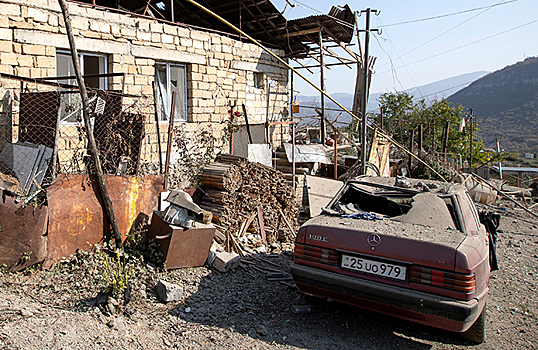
{"type": "Point", "coordinates": [76, 217]}
{"type": "Point", "coordinates": [22, 234]}
{"type": "Point", "coordinates": [181, 247]}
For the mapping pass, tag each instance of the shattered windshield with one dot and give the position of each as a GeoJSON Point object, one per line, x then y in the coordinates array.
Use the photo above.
{"type": "Point", "coordinates": [423, 208]}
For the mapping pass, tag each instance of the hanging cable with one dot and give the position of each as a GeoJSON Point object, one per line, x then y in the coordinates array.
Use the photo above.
{"type": "Point", "coordinates": [446, 15]}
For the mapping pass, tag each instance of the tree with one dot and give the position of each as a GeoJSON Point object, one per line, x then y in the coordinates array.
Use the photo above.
{"type": "Point", "coordinates": [402, 116]}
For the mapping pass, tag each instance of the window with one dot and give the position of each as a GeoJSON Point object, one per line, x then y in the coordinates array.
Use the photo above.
{"type": "Point", "coordinates": [71, 103]}
{"type": "Point", "coordinates": [259, 81]}
{"type": "Point", "coordinates": [89, 64]}
{"type": "Point", "coordinates": [170, 78]}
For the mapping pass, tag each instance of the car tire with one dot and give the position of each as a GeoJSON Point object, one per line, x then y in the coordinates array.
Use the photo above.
{"type": "Point", "coordinates": [477, 332]}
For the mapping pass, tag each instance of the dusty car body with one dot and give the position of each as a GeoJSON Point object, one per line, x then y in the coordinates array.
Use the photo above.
{"type": "Point", "coordinates": [416, 253]}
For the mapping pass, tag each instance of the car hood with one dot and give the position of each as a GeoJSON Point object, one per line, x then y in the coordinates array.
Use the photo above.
{"type": "Point", "coordinates": [402, 241]}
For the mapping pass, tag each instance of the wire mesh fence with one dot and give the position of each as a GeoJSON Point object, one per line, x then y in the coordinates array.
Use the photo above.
{"type": "Point", "coordinates": [42, 134]}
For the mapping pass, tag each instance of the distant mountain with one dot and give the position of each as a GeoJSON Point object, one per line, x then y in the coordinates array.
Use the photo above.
{"type": "Point", "coordinates": [505, 104]}
{"type": "Point", "coordinates": [436, 90]}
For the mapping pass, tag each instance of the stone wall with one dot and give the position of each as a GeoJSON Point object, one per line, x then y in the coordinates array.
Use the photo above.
{"type": "Point", "coordinates": [220, 70]}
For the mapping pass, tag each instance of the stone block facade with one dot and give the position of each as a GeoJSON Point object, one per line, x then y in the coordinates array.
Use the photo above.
{"type": "Point", "coordinates": [219, 69]}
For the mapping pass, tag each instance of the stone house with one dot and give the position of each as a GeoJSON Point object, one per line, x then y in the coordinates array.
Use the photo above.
{"type": "Point", "coordinates": [208, 69]}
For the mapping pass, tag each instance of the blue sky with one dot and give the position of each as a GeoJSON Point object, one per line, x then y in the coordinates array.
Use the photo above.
{"type": "Point", "coordinates": [426, 51]}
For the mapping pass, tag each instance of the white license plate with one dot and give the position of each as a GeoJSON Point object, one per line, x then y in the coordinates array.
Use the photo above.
{"type": "Point", "coordinates": [374, 267]}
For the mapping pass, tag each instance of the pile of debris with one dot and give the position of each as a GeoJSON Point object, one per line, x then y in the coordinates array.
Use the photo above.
{"type": "Point", "coordinates": [236, 192]}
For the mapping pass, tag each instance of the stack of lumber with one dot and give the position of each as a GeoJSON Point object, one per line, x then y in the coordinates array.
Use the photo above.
{"type": "Point", "coordinates": [235, 189]}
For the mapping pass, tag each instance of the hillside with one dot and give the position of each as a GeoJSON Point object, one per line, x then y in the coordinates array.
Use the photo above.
{"type": "Point", "coordinates": [436, 90]}
{"type": "Point", "coordinates": [505, 103]}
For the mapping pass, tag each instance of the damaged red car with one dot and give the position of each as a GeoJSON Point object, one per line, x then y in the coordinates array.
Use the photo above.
{"type": "Point", "coordinates": [417, 252]}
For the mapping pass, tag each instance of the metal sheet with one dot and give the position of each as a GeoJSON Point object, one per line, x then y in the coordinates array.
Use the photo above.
{"type": "Point", "coordinates": [76, 217]}
{"type": "Point", "coordinates": [307, 153]}
{"type": "Point", "coordinates": [260, 153]}
{"type": "Point", "coordinates": [181, 247]}
{"type": "Point", "coordinates": [22, 234]}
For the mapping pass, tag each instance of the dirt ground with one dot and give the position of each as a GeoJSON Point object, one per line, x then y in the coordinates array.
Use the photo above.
{"type": "Point", "coordinates": [240, 309]}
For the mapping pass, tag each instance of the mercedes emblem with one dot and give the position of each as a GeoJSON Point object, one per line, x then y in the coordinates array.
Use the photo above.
{"type": "Point", "coordinates": [374, 239]}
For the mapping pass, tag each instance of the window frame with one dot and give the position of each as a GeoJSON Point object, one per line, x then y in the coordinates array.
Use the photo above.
{"type": "Point", "coordinates": [163, 116]}
{"type": "Point", "coordinates": [103, 81]}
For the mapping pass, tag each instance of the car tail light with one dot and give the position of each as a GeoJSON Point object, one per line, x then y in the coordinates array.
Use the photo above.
{"type": "Point", "coordinates": [317, 254]}
{"type": "Point", "coordinates": [464, 283]}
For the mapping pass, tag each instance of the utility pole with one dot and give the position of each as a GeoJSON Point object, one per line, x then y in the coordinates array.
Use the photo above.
{"type": "Point", "coordinates": [500, 164]}
{"type": "Point", "coordinates": [471, 121]}
{"type": "Point", "coordinates": [366, 68]}
{"type": "Point", "coordinates": [323, 128]}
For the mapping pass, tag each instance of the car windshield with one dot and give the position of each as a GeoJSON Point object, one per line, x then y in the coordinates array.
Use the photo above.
{"type": "Point", "coordinates": [399, 204]}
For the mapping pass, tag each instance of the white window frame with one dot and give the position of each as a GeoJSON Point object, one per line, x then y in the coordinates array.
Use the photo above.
{"type": "Point", "coordinates": [164, 94]}
{"type": "Point", "coordinates": [66, 98]}
{"type": "Point", "coordinates": [103, 82]}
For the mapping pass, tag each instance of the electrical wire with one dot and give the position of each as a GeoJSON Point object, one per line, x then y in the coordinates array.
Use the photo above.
{"type": "Point", "coordinates": [469, 44]}
{"type": "Point", "coordinates": [447, 31]}
{"type": "Point", "coordinates": [446, 15]}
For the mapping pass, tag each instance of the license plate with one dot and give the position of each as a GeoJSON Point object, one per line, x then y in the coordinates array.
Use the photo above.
{"type": "Point", "coordinates": [374, 267]}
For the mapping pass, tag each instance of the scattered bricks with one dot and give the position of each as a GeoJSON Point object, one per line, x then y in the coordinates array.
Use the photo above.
{"type": "Point", "coordinates": [6, 46]}
{"type": "Point", "coordinates": [225, 261]}
{"type": "Point", "coordinates": [168, 291]}
{"type": "Point", "coordinates": [8, 58]}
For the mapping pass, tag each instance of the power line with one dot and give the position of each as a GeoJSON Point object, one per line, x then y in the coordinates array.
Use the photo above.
{"type": "Point", "coordinates": [469, 44]}
{"type": "Point", "coordinates": [447, 31]}
{"type": "Point", "coordinates": [446, 15]}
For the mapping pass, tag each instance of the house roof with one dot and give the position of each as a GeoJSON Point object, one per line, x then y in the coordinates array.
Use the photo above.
{"type": "Point", "coordinates": [258, 18]}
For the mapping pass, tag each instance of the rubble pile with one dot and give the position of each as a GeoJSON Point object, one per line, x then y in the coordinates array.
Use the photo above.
{"type": "Point", "coordinates": [237, 191]}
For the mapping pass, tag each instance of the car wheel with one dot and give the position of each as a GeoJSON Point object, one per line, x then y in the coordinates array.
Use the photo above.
{"type": "Point", "coordinates": [477, 332]}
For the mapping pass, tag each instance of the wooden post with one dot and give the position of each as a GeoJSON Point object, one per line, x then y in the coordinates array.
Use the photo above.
{"type": "Point", "coordinates": [323, 128]}
{"type": "Point", "coordinates": [420, 138]}
{"type": "Point", "coordinates": [335, 155]}
{"type": "Point", "coordinates": [411, 142]}
{"type": "Point", "coordinates": [445, 138]}
{"type": "Point", "coordinates": [246, 123]}
{"type": "Point", "coordinates": [107, 202]}
{"type": "Point", "coordinates": [232, 126]}
{"type": "Point", "coordinates": [169, 141]}
{"type": "Point", "coordinates": [157, 127]}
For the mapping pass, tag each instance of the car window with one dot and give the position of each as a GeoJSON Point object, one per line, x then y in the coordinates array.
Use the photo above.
{"type": "Point", "coordinates": [473, 209]}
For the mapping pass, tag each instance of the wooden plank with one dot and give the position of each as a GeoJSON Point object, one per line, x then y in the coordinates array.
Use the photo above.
{"type": "Point", "coordinates": [262, 226]}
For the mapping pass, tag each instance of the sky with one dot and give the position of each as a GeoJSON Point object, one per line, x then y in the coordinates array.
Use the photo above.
{"type": "Point", "coordinates": [467, 36]}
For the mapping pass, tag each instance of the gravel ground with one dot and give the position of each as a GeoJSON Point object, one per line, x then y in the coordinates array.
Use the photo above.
{"type": "Point", "coordinates": [240, 309]}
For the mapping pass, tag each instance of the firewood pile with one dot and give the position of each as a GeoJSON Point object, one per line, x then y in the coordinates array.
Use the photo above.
{"type": "Point", "coordinates": [252, 204]}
